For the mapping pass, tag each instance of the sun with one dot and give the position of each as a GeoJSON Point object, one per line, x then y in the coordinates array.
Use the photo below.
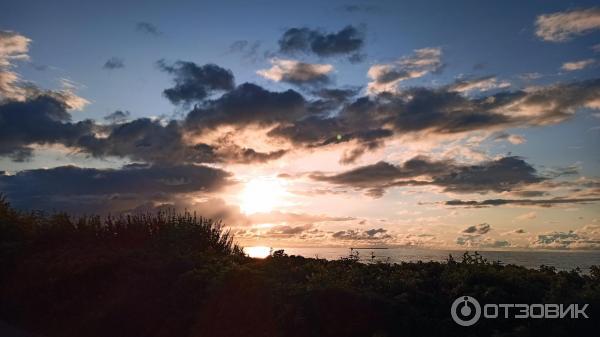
{"type": "Point", "coordinates": [258, 251]}
{"type": "Point", "coordinates": [262, 195]}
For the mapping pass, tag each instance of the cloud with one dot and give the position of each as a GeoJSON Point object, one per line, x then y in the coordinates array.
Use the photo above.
{"type": "Point", "coordinates": [504, 174]}
{"type": "Point", "coordinates": [40, 120]}
{"type": "Point", "coordinates": [44, 119]}
{"type": "Point", "coordinates": [147, 28]}
{"type": "Point", "coordinates": [80, 190]}
{"type": "Point", "coordinates": [248, 104]}
{"type": "Point", "coordinates": [114, 63]}
{"type": "Point", "coordinates": [248, 50]}
{"type": "Point", "coordinates": [324, 117]}
{"type": "Point", "coordinates": [287, 231]}
{"type": "Point", "coordinates": [563, 26]}
{"type": "Point", "coordinates": [118, 116]}
{"type": "Point", "coordinates": [484, 83]}
{"type": "Point", "coordinates": [194, 83]}
{"type": "Point", "coordinates": [346, 42]}
{"type": "Point", "coordinates": [521, 202]}
{"type": "Point", "coordinates": [587, 237]}
{"type": "Point", "coordinates": [297, 73]}
{"type": "Point", "coordinates": [577, 65]}
{"type": "Point", "coordinates": [479, 242]}
{"type": "Point", "coordinates": [375, 234]}
{"type": "Point", "coordinates": [154, 141]}
{"type": "Point", "coordinates": [478, 229]}
{"type": "Point", "coordinates": [13, 46]}
{"type": "Point", "coordinates": [422, 112]}
{"type": "Point", "coordinates": [527, 216]}
{"type": "Point", "coordinates": [513, 139]}
{"type": "Point", "coordinates": [475, 236]}
{"type": "Point", "coordinates": [386, 76]}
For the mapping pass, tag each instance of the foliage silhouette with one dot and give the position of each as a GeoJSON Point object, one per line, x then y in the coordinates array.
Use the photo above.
{"type": "Point", "coordinates": [180, 275]}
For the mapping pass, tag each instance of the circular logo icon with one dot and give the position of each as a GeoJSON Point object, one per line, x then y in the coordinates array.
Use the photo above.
{"type": "Point", "coordinates": [465, 311]}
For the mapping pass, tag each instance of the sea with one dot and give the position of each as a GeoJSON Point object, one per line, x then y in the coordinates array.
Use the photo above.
{"type": "Point", "coordinates": [563, 260]}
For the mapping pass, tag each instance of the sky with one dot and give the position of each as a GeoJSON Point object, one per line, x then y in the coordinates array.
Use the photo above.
{"type": "Point", "coordinates": [431, 124]}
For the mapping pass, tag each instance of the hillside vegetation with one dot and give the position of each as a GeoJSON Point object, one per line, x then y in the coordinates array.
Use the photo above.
{"type": "Point", "coordinates": [169, 275]}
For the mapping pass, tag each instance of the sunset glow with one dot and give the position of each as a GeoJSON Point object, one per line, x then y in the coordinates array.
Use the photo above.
{"type": "Point", "coordinates": [344, 125]}
{"type": "Point", "coordinates": [262, 195]}
{"type": "Point", "coordinates": [257, 251]}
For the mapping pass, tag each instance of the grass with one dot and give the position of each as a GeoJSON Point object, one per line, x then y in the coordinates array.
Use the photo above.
{"type": "Point", "coordinates": [172, 274]}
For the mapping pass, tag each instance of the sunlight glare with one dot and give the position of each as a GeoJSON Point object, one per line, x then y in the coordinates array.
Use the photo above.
{"type": "Point", "coordinates": [262, 195]}
{"type": "Point", "coordinates": [259, 252]}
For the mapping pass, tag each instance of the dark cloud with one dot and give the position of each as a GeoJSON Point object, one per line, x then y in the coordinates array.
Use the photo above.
{"type": "Point", "coordinates": [324, 117]}
{"type": "Point", "coordinates": [427, 111]}
{"type": "Point", "coordinates": [146, 140]}
{"type": "Point", "coordinates": [248, 104]}
{"type": "Point", "coordinates": [148, 28]}
{"type": "Point", "coordinates": [433, 111]}
{"type": "Point", "coordinates": [288, 231]}
{"type": "Point", "coordinates": [41, 120]}
{"type": "Point", "coordinates": [475, 236]}
{"type": "Point", "coordinates": [44, 119]}
{"type": "Point", "coordinates": [342, 95]}
{"type": "Point", "coordinates": [114, 63]}
{"type": "Point", "coordinates": [194, 83]}
{"type": "Point", "coordinates": [445, 112]}
{"type": "Point", "coordinates": [79, 190]}
{"type": "Point", "coordinates": [348, 41]}
{"type": "Point", "coordinates": [479, 229]}
{"type": "Point", "coordinates": [499, 175]}
{"type": "Point", "coordinates": [156, 142]}
{"type": "Point", "coordinates": [249, 50]}
{"type": "Point", "coordinates": [118, 116]}
{"type": "Point", "coordinates": [362, 235]}
{"type": "Point", "coordinates": [521, 202]}
{"type": "Point", "coordinates": [529, 193]}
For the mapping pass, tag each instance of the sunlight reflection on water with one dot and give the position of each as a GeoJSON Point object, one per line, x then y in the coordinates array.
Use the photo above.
{"type": "Point", "coordinates": [562, 260]}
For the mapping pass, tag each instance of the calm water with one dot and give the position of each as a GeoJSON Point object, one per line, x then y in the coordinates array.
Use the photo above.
{"type": "Point", "coordinates": [562, 260]}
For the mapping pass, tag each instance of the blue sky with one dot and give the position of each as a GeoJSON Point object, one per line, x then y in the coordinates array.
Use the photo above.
{"type": "Point", "coordinates": [469, 40]}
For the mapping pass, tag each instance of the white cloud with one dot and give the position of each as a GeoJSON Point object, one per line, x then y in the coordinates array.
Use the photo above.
{"type": "Point", "coordinates": [296, 72]}
{"type": "Point", "coordinates": [13, 46]}
{"type": "Point", "coordinates": [386, 76]}
{"type": "Point", "coordinates": [563, 26]}
{"type": "Point", "coordinates": [479, 84]}
{"type": "Point", "coordinates": [577, 65]}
